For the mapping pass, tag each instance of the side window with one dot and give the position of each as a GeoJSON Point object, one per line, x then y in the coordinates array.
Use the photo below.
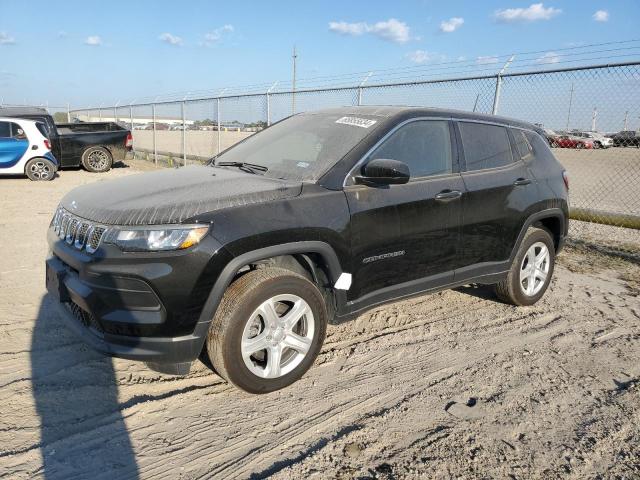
{"type": "Point", "coordinates": [485, 146]}
{"type": "Point", "coordinates": [5, 130]}
{"type": "Point", "coordinates": [424, 145]}
{"type": "Point", "coordinates": [17, 132]}
{"type": "Point", "coordinates": [523, 147]}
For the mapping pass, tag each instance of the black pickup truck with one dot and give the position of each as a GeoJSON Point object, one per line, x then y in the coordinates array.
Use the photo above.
{"type": "Point", "coordinates": [95, 146]}
{"type": "Point", "coordinates": [314, 219]}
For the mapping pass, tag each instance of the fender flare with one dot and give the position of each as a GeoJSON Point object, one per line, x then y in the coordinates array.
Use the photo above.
{"type": "Point", "coordinates": [533, 218]}
{"type": "Point", "coordinates": [226, 276]}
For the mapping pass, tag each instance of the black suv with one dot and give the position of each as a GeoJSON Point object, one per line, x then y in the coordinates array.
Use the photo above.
{"type": "Point", "coordinates": [314, 219]}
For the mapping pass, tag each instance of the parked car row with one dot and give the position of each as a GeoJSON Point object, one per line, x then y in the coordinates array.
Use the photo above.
{"type": "Point", "coordinates": [32, 144]}
{"type": "Point", "coordinates": [588, 139]}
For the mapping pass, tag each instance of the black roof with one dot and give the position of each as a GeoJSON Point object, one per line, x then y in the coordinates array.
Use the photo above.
{"type": "Point", "coordinates": [388, 111]}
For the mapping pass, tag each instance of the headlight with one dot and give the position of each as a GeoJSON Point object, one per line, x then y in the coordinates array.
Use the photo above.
{"type": "Point", "coordinates": [157, 238]}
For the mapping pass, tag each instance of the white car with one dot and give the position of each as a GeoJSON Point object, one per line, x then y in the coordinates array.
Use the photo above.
{"type": "Point", "coordinates": [599, 140]}
{"type": "Point", "coordinates": [25, 149]}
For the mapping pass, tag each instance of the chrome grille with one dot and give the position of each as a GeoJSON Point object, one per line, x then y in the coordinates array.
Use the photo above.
{"type": "Point", "coordinates": [77, 231]}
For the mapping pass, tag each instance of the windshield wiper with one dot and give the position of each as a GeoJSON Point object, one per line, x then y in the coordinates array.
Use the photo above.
{"type": "Point", "coordinates": [244, 166]}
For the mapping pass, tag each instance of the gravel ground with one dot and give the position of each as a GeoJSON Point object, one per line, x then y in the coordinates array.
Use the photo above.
{"type": "Point", "coordinates": [453, 384]}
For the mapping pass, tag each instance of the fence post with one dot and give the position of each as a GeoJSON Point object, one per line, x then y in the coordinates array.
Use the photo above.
{"type": "Point", "coordinates": [218, 115]}
{"type": "Point", "coordinates": [115, 112]}
{"type": "Point", "coordinates": [184, 136]}
{"type": "Point", "coordinates": [155, 150]}
{"type": "Point", "coordinates": [360, 87]}
{"type": "Point", "coordinates": [133, 149]}
{"type": "Point", "coordinates": [496, 95]}
{"type": "Point", "coordinates": [269, 103]}
{"type": "Point", "coordinates": [68, 113]}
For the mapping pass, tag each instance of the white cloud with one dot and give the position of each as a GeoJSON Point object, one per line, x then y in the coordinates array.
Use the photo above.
{"type": "Point", "coordinates": [216, 35]}
{"type": "Point", "coordinates": [6, 39]}
{"type": "Point", "coordinates": [549, 57]}
{"type": "Point", "coordinates": [93, 40]}
{"type": "Point", "coordinates": [534, 12]}
{"type": "Point", "coordinates": [423, 56]}
{"type": "Point", "coordinates": [392, 30]}
{"type": "Point", "coordinates": [451, 25]}
{"type": "Point", "coordinates": [601, 16]}
{"type": "Point", "coordinates": [171, 39]}
{"type": "Point", "coordinates": [487, 60]}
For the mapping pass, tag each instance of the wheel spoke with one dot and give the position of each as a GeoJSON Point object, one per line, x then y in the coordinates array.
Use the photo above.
{"type": "Point", "coordinates": [542, 256]}
{"type": "Point", "coordinates": [294, 315]}
{"type": "Point", "coordinates": [274, 357]}
{"type": "Point", "coordinates": [540, 274]}
{"type": "Point", "coordinates": [297, 342]}
{"type": "Point", "coordinates": [255, 344]}
{"type": "Point", "coordinates": [269, 314]}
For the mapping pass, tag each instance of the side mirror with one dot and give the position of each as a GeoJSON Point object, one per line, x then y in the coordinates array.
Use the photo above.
{"type": "Point", "coordinates": [383, 171]}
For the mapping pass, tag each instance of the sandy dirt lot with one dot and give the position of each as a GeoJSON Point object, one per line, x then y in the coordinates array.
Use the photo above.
{"type": "Point", "coordinates": [449, 385]}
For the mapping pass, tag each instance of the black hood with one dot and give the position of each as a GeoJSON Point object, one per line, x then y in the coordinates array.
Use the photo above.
{"type": "Point", "coordinates": [173, 196]}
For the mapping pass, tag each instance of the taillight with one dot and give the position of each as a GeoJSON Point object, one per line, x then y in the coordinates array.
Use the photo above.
{"type": "Point", "coordinates": [47, 143]}
{"type": "Point", "coordinates": [129, 141]}
{"type": "Point", "coordinates": [565, 178]}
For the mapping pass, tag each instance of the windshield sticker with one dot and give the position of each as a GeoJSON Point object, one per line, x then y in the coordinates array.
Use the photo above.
{"type": "Point", "coordinates": [356, 121]}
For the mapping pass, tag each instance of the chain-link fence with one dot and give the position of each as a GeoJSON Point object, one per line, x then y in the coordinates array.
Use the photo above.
{"type": "Point", "coordinates": [591, 116]}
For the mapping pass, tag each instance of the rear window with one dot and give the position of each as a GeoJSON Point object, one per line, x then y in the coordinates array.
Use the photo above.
{"type": "Point", "coordinates": [485, 146]}
{"type": "Point", "coordinates": [5, 130]}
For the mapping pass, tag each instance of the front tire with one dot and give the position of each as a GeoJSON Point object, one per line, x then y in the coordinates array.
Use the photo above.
{"type": "Point", "coordinates": [97, 159]}
{"type": "Point", "coordinates": [40, 170]}
{"type": "Point", "coordinates": [531, 269]}
{"type": "Point", "coordinates": [267, 330]}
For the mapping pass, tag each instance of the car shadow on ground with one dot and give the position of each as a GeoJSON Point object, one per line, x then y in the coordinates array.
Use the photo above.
{"type": "Point", "coordinates": [485, 292]}
{"type": "Point", "coordinates": [82, 430]}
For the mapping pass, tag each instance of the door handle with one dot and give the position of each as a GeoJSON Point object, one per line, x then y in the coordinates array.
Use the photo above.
{"type": "Point", "coordinates": [522, 181]}
{"type": "Point", "coordinates": [448, 195]}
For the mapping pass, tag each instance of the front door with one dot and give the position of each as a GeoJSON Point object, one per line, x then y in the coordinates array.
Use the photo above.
{"type": "Point", "coordinates": [13, 144]}
{"type": "Point", "coordinates": [404, 234]}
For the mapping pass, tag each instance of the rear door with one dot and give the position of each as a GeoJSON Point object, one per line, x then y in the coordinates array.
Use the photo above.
{"type": "Point", "coordinates": [13, 144]}
{"type": "Point", "coordinates": [500, 193]}
{"type": "Point", "coordinates": [406, 233]}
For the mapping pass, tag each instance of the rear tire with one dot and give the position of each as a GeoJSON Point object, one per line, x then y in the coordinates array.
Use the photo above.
{"type": "Point", "coordinates": [531, 269]}
{"type": "Point", "coordinates": [267, 330]}
{"type": "Point", "coordinates": [40, 170]}
{"type": "Point", "coordinates": [97, 159]}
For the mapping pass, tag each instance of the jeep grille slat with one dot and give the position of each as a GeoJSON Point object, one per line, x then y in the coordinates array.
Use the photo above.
{"type": "Point", "coordinates": [76, 231]}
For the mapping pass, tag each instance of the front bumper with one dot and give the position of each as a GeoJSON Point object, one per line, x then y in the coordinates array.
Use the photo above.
{"type": "Point", "coordinates": [137, 306]}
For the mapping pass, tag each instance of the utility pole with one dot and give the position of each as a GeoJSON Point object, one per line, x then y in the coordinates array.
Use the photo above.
{"type": "Point", "coordinates": [293, 88]}
{"type": "Point", "coordinates": [570, 104]}
{"type": "Point", "coordinates": [594, 115]}
{"type": "Point", "coordinates": [496, 96]}
{"type": "Point", "coordinates": [626, 117]}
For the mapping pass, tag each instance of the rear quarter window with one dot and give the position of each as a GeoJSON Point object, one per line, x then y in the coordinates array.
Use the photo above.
{"type": "Point", "coordinates": [523, 146]}
{"type": "Point", "coordinates": [485, 146]}
{"type": "Point", "coordinates": [42, 128]}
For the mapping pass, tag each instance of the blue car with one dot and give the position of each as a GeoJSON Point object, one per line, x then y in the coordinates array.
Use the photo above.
{"type": "Point", "coordinates": [25, 149]}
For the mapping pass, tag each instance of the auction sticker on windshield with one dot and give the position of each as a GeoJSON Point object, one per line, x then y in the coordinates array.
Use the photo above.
{"type": "Point", "coordinates": [356, 121]}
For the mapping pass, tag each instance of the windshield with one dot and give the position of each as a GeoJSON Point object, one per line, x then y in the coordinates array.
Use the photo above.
{"type": "Point", "coordinates": [303, 147]}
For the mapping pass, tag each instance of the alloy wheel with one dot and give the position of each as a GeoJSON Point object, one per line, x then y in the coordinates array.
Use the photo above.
{"type": "Point", "coordinates": [277, 336]}
{"type": "Point", "coordinates": [40, 170]}
{"type": "Point", "coordinates": [534, 269]}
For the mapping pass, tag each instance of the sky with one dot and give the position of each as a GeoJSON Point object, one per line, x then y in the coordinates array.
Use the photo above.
{"type": "Point", "coordinates": [88, 52]}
